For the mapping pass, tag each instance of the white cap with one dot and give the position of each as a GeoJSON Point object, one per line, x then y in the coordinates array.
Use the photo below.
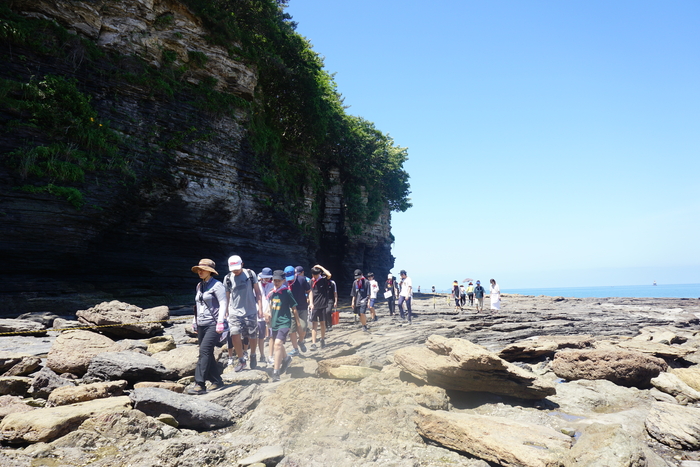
{"type": "Point", "coordinates": [235, 263]}
{"type": "Point", "coordinates": [389, 276]}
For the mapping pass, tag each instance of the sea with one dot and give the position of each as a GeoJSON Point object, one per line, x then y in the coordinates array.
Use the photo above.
{"type": "Point", "coordinates": [638, 291]}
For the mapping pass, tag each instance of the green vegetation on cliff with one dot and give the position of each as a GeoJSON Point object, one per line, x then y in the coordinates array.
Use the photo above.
{"type": "Point", "coordinates": [298, 127]}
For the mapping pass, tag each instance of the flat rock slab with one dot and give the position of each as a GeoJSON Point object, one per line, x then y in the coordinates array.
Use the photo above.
{"type": "Point", "coordinates": [244, 377]}
{"type": "Point", "coordinates": [673, 385]}
{"type": "Point", "coordinates": [42, 425]}
{"type": "Point", "coordinates": [606, 445]}
{"type": "Point", "coordinates": [622, 367]}
{"type": "Point", "coordinates": [690, 376]}
{"type": "Point", "coordinates": [189, 411]}
{"type": "Point", "coordinates": [21, 326]}
{"type": "Point", "coordinates": [14, 385]}
{"type": "Point", "coordinates": [170, 386]}
{"type": "Point", "coordinates": [182, 360]}
{"type": "Point", "coordinates": [495, 439]}
{"type": "Point", "coordinates": [130, 366]}
{"type": "Point", "coordinates": [72, 351]}
{"type": "Point", "coordinates": [460, 365]}
{"type": "Point", "coordinates": [542, 346]}
{"type": "Point", "coordinates": [12, 404]}
{"type": "Point", "coordinates": [27, 365]}
{"type": "Point", "coordinates": [325, 365]}
{"type": "Point", "coordinates": [268, 455]}
{"type": "Point", "coordinates": [674, 425]}
{"type": "Point", "coordinates": [86, 392]}
{"type": "Point", "coordinates": [124, 320]}
{"type": "Point", "coordinates": [238, 399]}
{"type": "Point", "coordinates": [351, 373]}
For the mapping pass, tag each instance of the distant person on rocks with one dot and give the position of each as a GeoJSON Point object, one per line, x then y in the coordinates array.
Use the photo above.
{"type": "Point", "coordinates": [299, 288]}
{"type": "Point", "coordinates": [495, 295]}
{"type": "Point", "coordinates": [360, 292]}
{"type": "Point", "coordinates": [405, 296]}
{"type": "Point", "coordinates": [266, 285]}
{"type": "Point", "coordinates": [208, 323]}
{"type": "Point", "coordinates": [462, 295]}
{"type": "Point", "coordinates": [419, 289]}
{"type": "Point", "coordinates": [390, 286]}
{"type": "Point", "coordinates": [244, 308]}
{"type": "Point", "coordinates": [281, 314]}
{"type": "Point", "coordinates": [479, 295]}
{"type": "Point", "coordinates": [433, 289]}
{"type": "Point", "coordinates": [318, 302]}
{"type": "Point", "coordinates": [332, 303]}
{"type": "Point", "coordinates": [455, 295]}
{"type": "Point", "coordinates": [373, 290]}
{"type": "Point", "coordinates": [470, 293]}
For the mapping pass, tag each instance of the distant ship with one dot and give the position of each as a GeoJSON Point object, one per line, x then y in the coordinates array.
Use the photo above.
{"type": "Point", "coordinates": [654, 283]}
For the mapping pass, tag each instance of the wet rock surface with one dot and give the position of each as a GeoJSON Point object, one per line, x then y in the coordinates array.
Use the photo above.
{"type": "Point", "coordinates": [381, 414]}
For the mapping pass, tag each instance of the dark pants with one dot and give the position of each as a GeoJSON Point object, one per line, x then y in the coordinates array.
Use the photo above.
{"type": "Point", "coordinates": [207, 368]}
{"type": "Point", "coordinates": [392, 305]}
{"type": "Point", "coordinates": [471, 299]}
{"type": "Point", "coordinates": [408, 307]}
{"type": "Point", "coordinates": [329, 316]}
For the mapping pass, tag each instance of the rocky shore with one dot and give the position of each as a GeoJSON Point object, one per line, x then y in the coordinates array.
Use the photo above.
{"type": "Point", "coordinates": [545, 382]}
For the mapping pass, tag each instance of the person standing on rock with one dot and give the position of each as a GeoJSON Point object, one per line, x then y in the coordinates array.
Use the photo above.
{"type": "Point", "coordinates": [281, 314]}
{"type": "Point", "coordinates": [495, 295]}
{"type": "Point", "coordinates": [300, 287]}
{"type": "Point", "coordinates": [390, 286]}
{"type": "Point", "coordinates": [462, 295]}
{"type": "Point", "coordinates": [360, 292]}
{"type": "Point", "coordinates": [318, 302]}
{"type": "Point", "coordinates": [470, 293]}
{"type": "Point", "coordinates": [479, 295]}
{"type": "Point", "coordinates": [405, 296]}
{"type": "Point", "coordinates": [244, 307]}
{"type": "Point", "coordinates": [208, 323]}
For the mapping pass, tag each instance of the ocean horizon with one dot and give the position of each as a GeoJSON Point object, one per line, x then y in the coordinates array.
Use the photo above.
{"type": "Point", "coordinates": [633, 291]}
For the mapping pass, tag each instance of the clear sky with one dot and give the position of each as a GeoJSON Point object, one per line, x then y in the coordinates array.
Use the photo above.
{"type": "Point", "coordinates": [551, 143]}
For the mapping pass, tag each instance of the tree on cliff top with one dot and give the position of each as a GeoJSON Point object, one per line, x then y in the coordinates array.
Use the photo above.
{"type": "Point", "coordinates": [299, 124]}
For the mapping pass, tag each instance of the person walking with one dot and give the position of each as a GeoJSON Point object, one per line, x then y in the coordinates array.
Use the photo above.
{"type": "Point", "coordinates": [299, 287]}
{"type": "Point", "coordinates": [281, 314]}
{"type": "Point", "coordinates": [360, 292]}
{"type": "Point", "coordinates": [266, 285]}
{"type": "Point", "coordinates": [208, 323]}
{"type": "Point", "coordinates": [244, 301]}
{"type": "Point", "coordinates": [470, 293]}
{"type": "Point", "coordinates": [390, 287]}
{"type": "Point", "coordinates": [495, 296]}
{"type": "Point", "coordinates": [318, 302]}
{"type": "Point", "coordinates": [479, 295]}
{"type": "Point", "coordinates": [332, 303]}
{"type": "Point", "coordinates": [462, 295]}
{"type": "Point", "coordinates": [455, 295]}
{"type": "Point", "coordinates": [405, 296]}
{"type": "Point", "coordinates": [373, 290]}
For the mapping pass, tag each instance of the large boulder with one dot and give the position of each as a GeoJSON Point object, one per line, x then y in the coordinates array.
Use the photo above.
{"type": "Point", "coordinates": [86, 392]}
{"type": "Point", "coordinates": [690, 376]}
{"type": "Point", "coordinates": [14, 385]}
{"type": "Point", "coordinates": [73, 350]}
{"type": "Point", "coordinates": [27, 365]}
{"type": "Point", "coordinates": [674, 425]}
{"type": "Point", "coordinates": [189, 411]}
{"type": "Point", "coordinates": [124, 320]}
{"type": "Point", "coordinates": [182, 360]}
{"type": "Point", "coordinates": [43, 425]}
{"type": "Point", "coordinates": [130, 366]}
{"type": "Point", "coordinates": [463, 366]}
{"type": "Point", "coordinates": [622, 367]}
{"type": "Point", "coordinates": [45, 381]}
{"type": "Point", "coordinates": [12, 404]}
{"type": "Point", "coordinates": [495, 439]}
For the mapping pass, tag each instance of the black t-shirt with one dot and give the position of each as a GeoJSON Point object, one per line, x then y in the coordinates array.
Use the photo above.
{"type": "Point", "coordinates": [299, 287]}
{"type": "Point", "coordinates": [360, 289]}
{"type": "Point", "coordinates": [320, 289]}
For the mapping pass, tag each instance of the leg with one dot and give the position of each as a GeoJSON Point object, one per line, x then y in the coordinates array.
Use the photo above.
{"type": "Point", "coordinates": [313, 333]}
{"type": "Point", "coordinates": [401, 300]}
{"type": "Point", "coordinates": [408, 307]}
{"type": "Point", "coordinates": [207, 367]}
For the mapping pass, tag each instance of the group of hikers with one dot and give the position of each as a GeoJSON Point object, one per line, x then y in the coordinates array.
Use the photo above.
{"type": "Point", "coordinates": [461, 294]}
{"type": "Point", "coordinates": [248, 309]}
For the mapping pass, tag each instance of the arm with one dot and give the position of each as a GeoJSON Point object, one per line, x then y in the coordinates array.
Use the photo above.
{"type": "Point", "coordinates": [311, 300]}
{"type": "Point", "coordinates": [325, 271]}
{"type": "Point", "coordinates": [258, 299]}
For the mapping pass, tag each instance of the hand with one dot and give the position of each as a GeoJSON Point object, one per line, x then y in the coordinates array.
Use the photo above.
{"type": "Point", "coordinates": [219, 327]}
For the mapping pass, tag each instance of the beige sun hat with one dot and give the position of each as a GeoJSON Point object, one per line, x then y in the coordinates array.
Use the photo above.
{"type": "Point", "coordinates": [207, 265]}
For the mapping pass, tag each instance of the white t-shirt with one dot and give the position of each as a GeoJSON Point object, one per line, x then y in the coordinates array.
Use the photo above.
{"type": "Point", "coordinates": [373, 289]}
{"type": "Point", "coordinates": [266, 288]}
{"type": "Point", "coordinates": [406, 284]}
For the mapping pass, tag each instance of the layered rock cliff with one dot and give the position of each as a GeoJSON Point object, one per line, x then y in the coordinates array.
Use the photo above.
{"type": "Point", "coordinates": [191, 188]}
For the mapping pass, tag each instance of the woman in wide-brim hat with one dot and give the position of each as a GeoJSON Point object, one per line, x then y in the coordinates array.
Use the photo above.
{"type": "Point", "coordinates": [210, 300]}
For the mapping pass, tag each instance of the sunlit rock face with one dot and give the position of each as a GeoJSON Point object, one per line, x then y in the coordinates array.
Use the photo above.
{"type": "Point", "coordinates": [197, 192]}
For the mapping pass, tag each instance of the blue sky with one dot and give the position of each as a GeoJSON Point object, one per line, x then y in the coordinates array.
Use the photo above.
{"type": "Point", "coordinates": [551, 144]}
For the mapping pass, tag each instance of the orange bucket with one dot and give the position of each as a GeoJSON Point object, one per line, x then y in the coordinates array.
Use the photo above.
{"type": "Point", "coordinates": [335, 317]}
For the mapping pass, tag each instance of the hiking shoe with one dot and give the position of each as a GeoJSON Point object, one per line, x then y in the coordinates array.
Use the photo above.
{"type": "Point", "coordinates": [229, 362]}
{"type": "Point", "coordinates": [302, 346]}
{"type": "Point", "coordinates": [375, 319]}
{"type": "Point", "coordinates": [253, 361]}
{"type": "Point", "coordinates": [240, 365]}
{"type": "Point", "coordinates": [293, 352]}
{"type": "Point", "coordinates": [215, 386]}
{"type": "Point", "coordinates": [285, 364]}
{"type": "Point", "coordinates": [323, 343]}
{"type": "Point", "coordinates": [275, 376]}
{"type": "Point", "coordinates": [196, 390]}
{"type": "Point", "coordinates": [365, 328]}
{"type": "Point", "coordinates": [313, 347]}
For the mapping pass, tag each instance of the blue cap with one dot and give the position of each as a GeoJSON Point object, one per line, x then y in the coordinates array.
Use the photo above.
{"type": "Point", "coordinates": [289, 272]}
